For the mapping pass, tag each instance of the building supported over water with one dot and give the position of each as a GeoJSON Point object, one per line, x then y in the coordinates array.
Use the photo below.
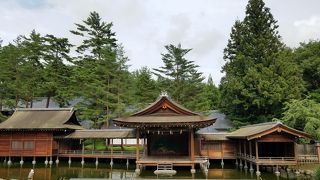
{"type": "Point", "coordinates": [169, 132]}
{"type": "Point", "coordinates": [166, 135]}
{"type": "Point", "coordinates": [30, 132]}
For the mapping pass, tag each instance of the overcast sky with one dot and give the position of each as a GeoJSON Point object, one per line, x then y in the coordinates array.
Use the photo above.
{"type": "Point", "coordinates": [144, 27]}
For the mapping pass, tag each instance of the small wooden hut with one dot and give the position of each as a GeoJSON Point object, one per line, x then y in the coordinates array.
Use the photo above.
{"type": "Point", "coordinates": [30, 132]}
{"type": "Point", "coordinates": [267, 144]}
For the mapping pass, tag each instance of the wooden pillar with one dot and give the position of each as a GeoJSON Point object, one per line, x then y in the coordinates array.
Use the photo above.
{"type": "Point", "coordinates": [192, 145]}
{"type": "Point", "coordinates": [200, 146]}
{"type": "Point", "coordinates": [318, 150]}
{"type": "Point", "coordinates": [295, 151]}
{"type": "Point", "coordinates": [208, 144]}
{"type": "Point", "coordinates": [250, 155]}
{"type": "Point", "coordinates": [137, 145]}
{"type": "Point", "coordinates": [192, 151]}
{"type": "Point", "coordinates": [111, 148]}
{"type": "Point", "coordinates": [250, 149]}
{"type": "Point", "coordinates": [257, 150]}
{"type": "Point", "coordinates": [51, 145]}
{"type": "Point", "coordinates": [240, 148]}
{"type": "Point", "coordinates": [245, 154]}
{"type": "Point", "coordinates": [221, 147]}
{"type": "Point", "coordinates": [240, 155]}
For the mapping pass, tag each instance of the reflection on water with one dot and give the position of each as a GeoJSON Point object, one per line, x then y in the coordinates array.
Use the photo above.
{"type": "Point", "coordinates": [120, 171]}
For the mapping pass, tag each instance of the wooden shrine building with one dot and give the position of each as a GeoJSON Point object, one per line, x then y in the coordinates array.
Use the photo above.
{"type": "Point", "coordinates": [169, 133]}
{"type": "Point", "coordinates": [30, 132]}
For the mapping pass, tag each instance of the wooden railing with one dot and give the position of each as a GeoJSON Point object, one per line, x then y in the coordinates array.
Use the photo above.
{"type": "Point", "coordinates": [267, 160]}
{"type": "Point", "coordinates": [277, 159]}
{"type": "Point", "coordinates": [101, 153]}
{"type": "Point", "coordinates": [304, 159]}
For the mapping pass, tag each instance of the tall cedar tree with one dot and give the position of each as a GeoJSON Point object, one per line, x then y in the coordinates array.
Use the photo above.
{"type": "Point", "coordinates": [260, 74]}
{"type": "Point", "coordinates": [180, 77]}
{"type": "Point", "coordinates": [97, 70]}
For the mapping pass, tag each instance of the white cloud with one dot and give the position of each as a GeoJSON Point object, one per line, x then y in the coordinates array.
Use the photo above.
{"type": "Point", "coordinates": [144, 27]}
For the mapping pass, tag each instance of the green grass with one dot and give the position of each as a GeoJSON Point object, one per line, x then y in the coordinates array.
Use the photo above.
{"type": "Point", "coordinates": [100, 146]}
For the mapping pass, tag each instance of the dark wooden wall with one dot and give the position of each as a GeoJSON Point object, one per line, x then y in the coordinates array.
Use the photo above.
{"type": "Point", "coordinates": [30, 144]}
{"type": "Point", "coordinates": [218, 149]}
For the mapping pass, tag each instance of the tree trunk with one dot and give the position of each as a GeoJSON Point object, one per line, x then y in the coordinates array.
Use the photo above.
{"type": "Point", "coordinates": [48, 101]}
{"type": "Point", "coordinates": [122, 149]}
{"type": "Point", "coordinates": [0, 104]}
{"type": "Point", "coordinates": [31, 102]}
{"type": "Point", "coordinates": [17, 101]}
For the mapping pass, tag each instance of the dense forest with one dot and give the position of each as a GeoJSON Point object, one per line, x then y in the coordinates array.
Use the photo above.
{"type": "Point", "coordinates": [264, 80]}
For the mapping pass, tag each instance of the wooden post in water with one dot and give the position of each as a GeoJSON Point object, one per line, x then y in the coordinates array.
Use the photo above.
{"type": "Point", "coordinates": [240, 155]}
{"type": "Point", "coordinates": [111, 146]}
{"type": "Point", "coordinates": [257, 159]}
{"type": "Point", "coordinates": [192, 150]}
{"type": "Point", "coordinates": [245, 154]}
{"type": "Point", "coordinates": [250, 152]}
{"type": "Point", "coordinates": [137, 152]}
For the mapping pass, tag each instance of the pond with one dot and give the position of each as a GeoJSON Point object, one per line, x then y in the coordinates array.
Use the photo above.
{"type": "Point", "coordinates": [120, 171]}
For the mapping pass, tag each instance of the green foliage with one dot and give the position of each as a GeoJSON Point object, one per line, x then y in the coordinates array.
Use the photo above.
{"type": "Point", "coordinates": [260, 73]}
{"type": "Point", "coordinates": [303, 115]}
{"type": "Point", "coordinates": [317, 174]}
{"type": "Point", "coordinates": [180, 78]}
{"type": "Point", "coordinates": [101, 69]}
{"type": "Point", "coordinates": [2, 117]}
{"type": "Point", "coordinates": [308, 57]}
{"type": "Point", "coordinates": [145, 88]}
{"type": "Point", "coordinates": [56, 73]}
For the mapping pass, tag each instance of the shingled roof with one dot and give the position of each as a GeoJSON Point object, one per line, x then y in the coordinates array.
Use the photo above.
{"type": "Point", "coordinates": [41, 119]}
{"type": "Point", "coordinates": [101, 133]}
{"type": "Point", "coordinates": [258, 130]}
{"type": "Point", "coordinates": [164, 112]}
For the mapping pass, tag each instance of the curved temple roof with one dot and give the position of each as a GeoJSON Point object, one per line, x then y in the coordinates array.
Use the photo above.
{"type": "Point", "coordinates": [165, 113]}
{"type": "Point", "coordinates": [41, 119]}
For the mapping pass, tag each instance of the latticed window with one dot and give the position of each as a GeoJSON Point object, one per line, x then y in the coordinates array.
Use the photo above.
{"type": "Point", "coordinates": [16, 145]}
{"type": "Point", "coordinates": [28, 145]}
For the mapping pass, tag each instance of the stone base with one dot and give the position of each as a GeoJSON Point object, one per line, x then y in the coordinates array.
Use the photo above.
{"type": "Point", "coordinates": [193, 171]}
{"type": "Point", "coordinates": [137, 171]}
{"type": "Point", "coordinates": [258, 173]}
{"type": "Point", "coordinates": [165, 172]}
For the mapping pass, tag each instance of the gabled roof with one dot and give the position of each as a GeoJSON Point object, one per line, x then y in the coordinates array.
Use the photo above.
{"type": "Point", "coordinates": [101, 133]}
{"type": "Point", "coordinates": [41, 119]}
{"type": "Point", "coordinates": [164, 106]}
{"type": "Point", "coordinates": [258, 130]}
{"type": "Point", "coordinates": [164, 112]}
{"type": "Point", "coordinates": [222, 124]}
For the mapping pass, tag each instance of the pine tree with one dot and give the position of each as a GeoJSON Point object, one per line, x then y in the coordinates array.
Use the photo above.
{"type": "Point", "coordinates": [10, 75]}
{"type": "Point", "coordinates": [56, 73]}
{"type": "Point", "coordinates": [145, 88]}
{"type": "Point", "coordinates": [256, 83]}
{"type": "Point", "coordinates": [97, 69]}
{"type": "Point", "coordinates": [31, 67]}
{"type": "Point", "coordinates": [180, 77]}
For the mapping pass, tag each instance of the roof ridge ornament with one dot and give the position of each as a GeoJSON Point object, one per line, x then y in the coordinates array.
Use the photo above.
{"type": "Point", "coordinates": [164, 94]}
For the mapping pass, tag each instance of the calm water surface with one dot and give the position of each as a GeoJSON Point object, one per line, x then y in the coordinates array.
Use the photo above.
{"type": "Point", "coordinates": [120, 171]}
